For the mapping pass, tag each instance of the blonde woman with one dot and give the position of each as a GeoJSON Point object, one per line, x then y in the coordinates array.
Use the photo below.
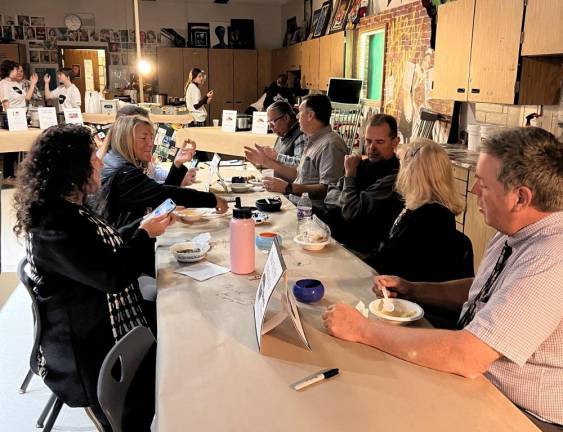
{"type": "Point", "coordinates": [127, 192]}
{"type": "Point", "coordinates": [423, 243]}
{"type": "Point", "coordinates": [194, 101]}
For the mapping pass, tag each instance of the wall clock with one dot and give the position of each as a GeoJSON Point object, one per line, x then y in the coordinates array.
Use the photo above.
{"type": "Point", "coordinates": [73, 22]}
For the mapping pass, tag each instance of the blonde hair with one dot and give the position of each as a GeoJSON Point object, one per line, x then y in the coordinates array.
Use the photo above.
{"type": "Point", "coordinates": [121, 137]}
{"type": "Point", "coordinates": [426, 176]}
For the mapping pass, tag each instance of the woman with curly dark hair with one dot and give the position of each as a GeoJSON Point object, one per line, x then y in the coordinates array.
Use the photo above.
{"type": "Point", "coordinates": [86, 275]}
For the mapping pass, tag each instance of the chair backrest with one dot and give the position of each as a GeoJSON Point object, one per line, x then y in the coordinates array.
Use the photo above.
{"type": "Point", "coordinates": [465, 249]}
{"type": "Point", "coordinates": [129, 352]}
{"type": "Point", "coordinates": [29, 285]}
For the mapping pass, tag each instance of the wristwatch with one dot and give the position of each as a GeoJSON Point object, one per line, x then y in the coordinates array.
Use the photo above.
{"type": "Point", "coordinates": [289, 189]}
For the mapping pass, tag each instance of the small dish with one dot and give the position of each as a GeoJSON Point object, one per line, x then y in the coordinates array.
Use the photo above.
{"type": "Point", "coordinates": [308, 290]}
{"type": "Point", "coordinates": [265, 240]}
{"type": "Point", "coordinates": [240, 187]}
{"type": "Point", "coordinates": [314, 246]}
{"type": "Point", "coordinates": [189, 252]}
{"type": "Point", "coordinates": [259, 217]}
{"type": "Point", "coordinates": [405, 311]}
{"type": "Point", "coordinates": [189, 215]}
{"type": "Point", "coordinates": [274, 204]}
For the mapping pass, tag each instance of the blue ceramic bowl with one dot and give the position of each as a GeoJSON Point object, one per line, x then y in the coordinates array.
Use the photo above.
{"type": "Point", "coordinates": [264, 240]}
{"type": "Point", "coordinates": [308, 290]}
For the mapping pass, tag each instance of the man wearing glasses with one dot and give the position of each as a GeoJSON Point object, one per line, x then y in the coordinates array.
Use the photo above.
{"type": "Point", "coordinates": [322, 161]}
{"type": "Point", "coordinates": [286, 154]}
{"type": "Point", "coordinates": [511, 323]}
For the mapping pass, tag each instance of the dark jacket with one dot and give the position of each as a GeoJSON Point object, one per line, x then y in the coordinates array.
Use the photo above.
{"type": "Point", "coordinates": [74, 269]}
{"type": "Point", "coordinates": [424, 245]}
{"type": "Point", "coordinates": [360, 210]}
{"type": "Point", "coordinates": [274, 93]}
{"type": "Point", "coordinates": [127, 193]}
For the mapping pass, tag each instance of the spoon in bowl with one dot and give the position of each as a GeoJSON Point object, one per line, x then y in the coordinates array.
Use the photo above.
{"type": "Point", "coordinates": [387, 303]}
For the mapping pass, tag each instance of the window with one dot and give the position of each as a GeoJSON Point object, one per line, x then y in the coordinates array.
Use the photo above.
{"type": "Point", "coordinates": [371, 60]}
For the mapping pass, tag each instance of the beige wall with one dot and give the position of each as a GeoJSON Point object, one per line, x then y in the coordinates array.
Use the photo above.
{"type": "Point", "coordinates": [118, 14]}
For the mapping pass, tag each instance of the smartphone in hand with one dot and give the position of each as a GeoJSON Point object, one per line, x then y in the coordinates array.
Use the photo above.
{"type": "Point", "coordinates": [193, 164]}
{"type": "Point", "coordinates": [166, 207]}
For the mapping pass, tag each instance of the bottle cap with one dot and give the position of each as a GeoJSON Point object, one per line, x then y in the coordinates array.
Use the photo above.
{"type": "Point", "coordinates": [242, 213]}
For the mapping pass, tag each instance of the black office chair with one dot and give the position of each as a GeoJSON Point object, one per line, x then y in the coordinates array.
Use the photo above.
{"type": "Point", "coordinates": [54, 404]}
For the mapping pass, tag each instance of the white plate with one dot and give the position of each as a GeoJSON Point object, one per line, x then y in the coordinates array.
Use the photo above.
{"type": "Point", "coordinates": [240, 187]}
{"type": "Point", "coordinates": [399, 303]}
{"type": "Point", "coordinates": [310, 246]}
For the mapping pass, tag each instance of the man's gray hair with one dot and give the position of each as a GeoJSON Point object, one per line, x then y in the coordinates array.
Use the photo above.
{"type": "Point", "coordinates": [530, 157]}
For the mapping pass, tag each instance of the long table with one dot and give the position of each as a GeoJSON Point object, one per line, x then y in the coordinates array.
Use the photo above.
{"type": "Point", "coordinates": [211, 376]}
{"type": "Point", "coordinates": [213, 139]}
{"type": "Point", "coordinates": [20, 141]}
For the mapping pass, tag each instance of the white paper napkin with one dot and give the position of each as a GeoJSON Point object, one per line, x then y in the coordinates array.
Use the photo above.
{"type": "Point", "coordinates": [202, 271]}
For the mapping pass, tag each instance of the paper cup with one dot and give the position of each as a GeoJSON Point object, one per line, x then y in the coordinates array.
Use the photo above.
{"type": "Point", "coordinates": [216, 122]}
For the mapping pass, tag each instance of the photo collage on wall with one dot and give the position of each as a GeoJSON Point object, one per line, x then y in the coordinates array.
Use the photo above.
{"type": "Point", "coordinates": [42, 41]}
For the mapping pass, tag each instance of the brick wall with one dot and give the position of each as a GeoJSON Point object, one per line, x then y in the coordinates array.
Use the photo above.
{"type": "Point", "coordinates": [407, 40]}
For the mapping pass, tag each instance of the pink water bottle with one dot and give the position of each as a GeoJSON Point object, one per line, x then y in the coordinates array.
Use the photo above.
{"type": "Point", "coordinates": [242, 241]}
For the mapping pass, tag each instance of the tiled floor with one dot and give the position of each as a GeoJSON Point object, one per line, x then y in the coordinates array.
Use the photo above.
{"type": "Point", "coordinates": [18, 412]}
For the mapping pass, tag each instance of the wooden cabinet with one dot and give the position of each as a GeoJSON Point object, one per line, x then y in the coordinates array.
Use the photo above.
{"type": "Point", "coordinates": [331, 59]}
{"type": "Point", "coordinates": [476, 229]}
{"type": "Point", "coordinates": [13, 51]}
{"type": "Point", "coordinates": [310, 64]}
{"type": "Point", "coordinates": [279, 62]}
{"type": "Point", "coordinates": [494, 52]}
{"type": "Point", "coordinates": [477, 55]}
{"type": "Point", "coordinates": [221, 81]}
{"type": "Point", "coordinates": [264, 70]}
{"type": "Point", "coordinates": [543, 28]}
{"type": "Point", "coordinates": [294, 57]}
{"type": "Point", "coordinates": [170, 76]}
{"type": "Point", "coordinates": [233, 77]}
{"type": "Point", "coordinates": [245, 78]}
{"type": "Point", "coordinates": [286, 59]}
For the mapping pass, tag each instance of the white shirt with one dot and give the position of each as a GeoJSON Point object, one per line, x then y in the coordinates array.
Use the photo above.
{"type": "Point", "coordinates": [13, 92]}
{"type": "Point", "coordinates": [193, 96]}
{"type": "Point", "coordinates": [69, 97]}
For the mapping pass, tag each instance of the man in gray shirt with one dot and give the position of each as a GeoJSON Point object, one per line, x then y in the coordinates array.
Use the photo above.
{"type": "Point", "coordinates": [322, 161]}
{"type": "Point", "coordinates": [511, 324]}
{"type": "Point", "coordinates": [286, 154]}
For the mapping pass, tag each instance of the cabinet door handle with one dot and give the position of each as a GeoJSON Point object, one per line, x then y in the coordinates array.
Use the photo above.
{"type": "Point", "coordinates": [476, 91]}
{"type": "Point", "coordinates": [461, 90]}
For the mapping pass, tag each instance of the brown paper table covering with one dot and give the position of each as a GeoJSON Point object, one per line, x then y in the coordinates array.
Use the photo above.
{"type": "Point", "coordinates": [213, 139]}
{"type": "Point", "coordinates": [211, 377]}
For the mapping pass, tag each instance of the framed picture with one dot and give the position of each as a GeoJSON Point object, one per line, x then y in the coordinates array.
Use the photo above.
{"type": "Point", "coordinates": [241, 34]}
{"type": "Point", "coordinates": [354, 11]}
{"type": "Point", "coordinates": [75, 70]}
{"type": "Point", "coordinates": [339, 19]}
{"type": "Point", "coordinates": [198, 35]}
{"type": "Point", "coordinates": [322, 23]}
{"type": "Point", "coordinates": [290, 30]}
{"type": "Point", "coordinates": [307, 16]}
{"type": "Point", "coordinates": [219, 35]}
{"type": "Point", "coordinates": [314, 22]}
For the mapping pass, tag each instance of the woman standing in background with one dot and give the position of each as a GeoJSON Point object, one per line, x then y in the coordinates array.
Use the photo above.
{"type": "Point", "coordinates": [13, 95]}
{"type": "Point", "coordinates": [67, 93]}
{"type": "Point", "coordinates": [194, 101]}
